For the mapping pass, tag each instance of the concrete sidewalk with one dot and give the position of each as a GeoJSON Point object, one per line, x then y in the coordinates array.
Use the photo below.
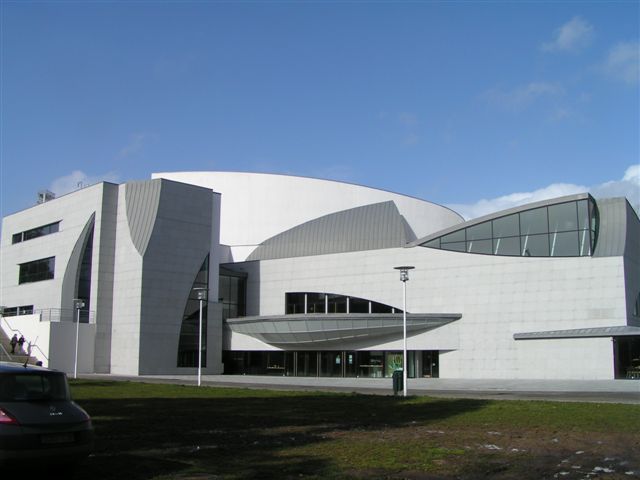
{"type": "Point", "coordinates": [609, 391]}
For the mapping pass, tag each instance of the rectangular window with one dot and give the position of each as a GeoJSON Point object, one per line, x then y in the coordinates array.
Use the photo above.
{"type": "Point", "coordinates": [37, 270]}
{"type": "Point", "coordinates": [337, 303]}
{"type": "Point", "coordinates": [315, 303]}
{"type": "Point", "coordinates": [25, 310]}
{"type": "Point", "coordinates": [36, 232]}
{"type": "Point", "coordinates": [358, 305]}
{"type": "Point", "coordinates": [294, 303]}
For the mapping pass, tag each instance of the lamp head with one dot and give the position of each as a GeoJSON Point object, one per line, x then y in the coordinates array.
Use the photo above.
{"type": "Point", "coordinates": [404, 272]}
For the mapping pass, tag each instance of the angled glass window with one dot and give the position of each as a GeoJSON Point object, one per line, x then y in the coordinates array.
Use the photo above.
{"type": "Point", "coordinates": [509, 246]}
{"type": "Point", "coordinates": [563, 217]}
{"type": "Point", "coordinates": [565, 244]}
{"type": "Point", "coordinates": [481, 231]}
{"type": "Point", "coordinates": [535, 245]}
{"type": "Point", "coordinates": [455, 246]}
{"type": "Point", "coordinates": [534, 221]}
{"type": "Point", "coordinates": [433, 243]}
{"type": "Point", "coordinates": [585, 243]}
{"type": "Point", "coordinates": [567, 229]}
{"type": "Point", "coordinates": [583, 215]}
{"type": "Point", "coordinates": [454, 237]}
{"type": "Point", "coordinates": [480, 246]}
{"type": "Point", "coordinates": [508, 226]}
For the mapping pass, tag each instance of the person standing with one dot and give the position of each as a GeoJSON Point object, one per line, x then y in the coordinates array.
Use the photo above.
{"type": "Point", "coordinates": [14, 342]}
{"type": "Point", "coordinates": [20, 342]}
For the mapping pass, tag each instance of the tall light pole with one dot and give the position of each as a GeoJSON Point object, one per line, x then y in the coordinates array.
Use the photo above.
{"type": "Point", "coordinates": [78, 303]}
{"type": "Point", "coordinates": [201, 293]}
{"type": "Point", "coordinates": [404, 277]}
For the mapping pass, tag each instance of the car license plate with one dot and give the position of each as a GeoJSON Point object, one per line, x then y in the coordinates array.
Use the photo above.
{"type": "Point", "coordinates": [55, 438]}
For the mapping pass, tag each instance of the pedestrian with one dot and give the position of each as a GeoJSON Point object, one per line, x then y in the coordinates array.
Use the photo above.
{"type": "Point", "coordinates": [20, 342]}
{"type": "Point", "coordinates": [14, 342]}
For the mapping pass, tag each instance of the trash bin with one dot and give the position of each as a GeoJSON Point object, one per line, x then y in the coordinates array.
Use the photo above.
{"type": "Point", "coordinates": [398, 384]}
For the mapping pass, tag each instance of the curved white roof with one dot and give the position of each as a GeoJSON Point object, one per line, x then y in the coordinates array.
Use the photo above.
{"type": "Point", "coordinates": [258, 206]}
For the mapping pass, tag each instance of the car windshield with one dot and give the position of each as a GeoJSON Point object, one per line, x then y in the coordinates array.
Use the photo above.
{"type": "Point", "coordinates": [25, 387]}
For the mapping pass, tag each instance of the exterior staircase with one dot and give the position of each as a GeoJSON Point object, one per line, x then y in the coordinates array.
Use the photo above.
{"type": "Point", "coordinates": [20, 355]}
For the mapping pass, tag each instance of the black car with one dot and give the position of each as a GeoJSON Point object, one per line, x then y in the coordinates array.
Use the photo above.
{"type": "Point", "coordinates": [38, 419]}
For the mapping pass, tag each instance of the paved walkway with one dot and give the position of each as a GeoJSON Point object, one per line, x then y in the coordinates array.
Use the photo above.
{"type": "Point", "coordinates": [610, 391]}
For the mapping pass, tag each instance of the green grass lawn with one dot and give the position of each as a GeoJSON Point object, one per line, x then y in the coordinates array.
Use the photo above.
{"type": "Point", "coordinates": [159, 431]}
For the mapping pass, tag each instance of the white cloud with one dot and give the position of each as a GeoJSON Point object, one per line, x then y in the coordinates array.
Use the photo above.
{"type": "Point", "coordinates": [522, 96]}
{"type": "Point", "coordinates": [628, 186]}
{"type": "Point", "coordinates": [623, 62]}
{"type": "Point", "coordinates": [573, 36]}
{"type": "Point", "coordinates": [78, 179]}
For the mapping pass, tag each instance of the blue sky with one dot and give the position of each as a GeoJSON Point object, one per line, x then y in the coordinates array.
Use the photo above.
{"type": "Point", "coordinates": [474, 105]}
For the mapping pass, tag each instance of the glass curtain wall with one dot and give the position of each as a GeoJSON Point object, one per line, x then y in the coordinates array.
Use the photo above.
{"type": "Point", "coordinates": [333, 363]}
{"type": "Point", "coordinates": [232, 293]}
{"type": "Point", "coordinates": [566, 229]}
{"type": "Point", "coordinates": [190, 330]}
{"type": "Point", "coordinates": [83, 288]}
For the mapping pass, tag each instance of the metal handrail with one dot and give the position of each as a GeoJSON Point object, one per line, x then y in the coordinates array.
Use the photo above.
{"type": "Point", "coordinates": [30, 345]}
{"type": "Point", "coordinates": [66, 315]}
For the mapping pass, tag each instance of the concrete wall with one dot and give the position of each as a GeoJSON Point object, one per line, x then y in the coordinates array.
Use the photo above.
{"type": "Point", "coordinates": [73, 211]}
{"type": "Point", "coordinates": [257, 206]}
{"type": "Point", "coordinates": [497, 297]}
{"type": "Point", "coordinates": [180, 241]}
{"type": "Point", "coordinates": [63, 347]}
{"type": "Point", "coordinates": [53, 343]}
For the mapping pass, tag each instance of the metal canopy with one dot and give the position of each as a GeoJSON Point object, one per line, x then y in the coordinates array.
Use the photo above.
{"type": "Point", "coordinates": [324, 329]}
{"type": "Point", "coordinates": [616, 331]}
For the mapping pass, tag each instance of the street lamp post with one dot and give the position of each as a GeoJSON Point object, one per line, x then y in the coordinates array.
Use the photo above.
{"type": "Point", "coordinates": [201, 292]}
{"type": "Point", "coordinates": [78, 303]}
{"type": "Point", "coordinates": [404, 277]}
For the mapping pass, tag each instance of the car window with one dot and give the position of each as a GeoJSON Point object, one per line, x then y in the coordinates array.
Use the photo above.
{"type": "Point", "coordinates": [16, 387]}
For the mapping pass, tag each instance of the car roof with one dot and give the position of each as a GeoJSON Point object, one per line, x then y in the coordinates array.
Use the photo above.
{"type": "Point", "coordinates": [12, 367]}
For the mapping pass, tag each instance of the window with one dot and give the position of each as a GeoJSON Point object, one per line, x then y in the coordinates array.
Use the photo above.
{"type": "Point", "coordinates": [21, 310]}
{"type": "Point", "coordinates": [37, 270]}
{"type": "Point", "coordinates": [189, 340]}
{"type": "Point", "coordinates": [295, 303]}
{"type": "Point", "coordinates": [35, 232]}
{"type": "Point", "coordinates": [566, 229]}
{"type": "Point", "coordinates": [332, 303]}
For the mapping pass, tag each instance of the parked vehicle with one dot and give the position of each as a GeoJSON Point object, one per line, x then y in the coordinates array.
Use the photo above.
{"type": "Point", "coordinates": [38, 419]}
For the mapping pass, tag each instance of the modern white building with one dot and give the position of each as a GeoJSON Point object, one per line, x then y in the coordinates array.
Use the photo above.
{"type": "Point", "coordinates": [301, 281]}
